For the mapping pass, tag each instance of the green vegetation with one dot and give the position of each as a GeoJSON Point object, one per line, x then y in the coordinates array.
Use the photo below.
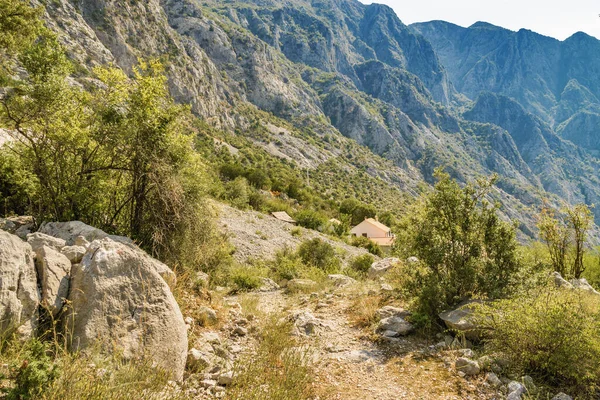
{"type": "Point", "coordinates": [465, 249]}
{"type": "Point", "coordinates": [549, 333]}
{"type": "Point", "coordinates": [319, 254]}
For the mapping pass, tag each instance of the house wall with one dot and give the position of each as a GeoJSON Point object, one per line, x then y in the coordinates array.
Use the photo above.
{"type": "Point", "coordinates": [369, 229]}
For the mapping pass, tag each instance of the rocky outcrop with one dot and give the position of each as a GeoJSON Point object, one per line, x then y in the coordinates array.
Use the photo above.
{"type": "Point", "coordinates": [54, 271]}
{"type": "Point", "coordinates": [70, 231]}
{"type": "Point", "coordinates": [19, 297]}
{"type": "Point", "coordinates": [118, 298]}
{"type": "Point", "coordinates": [462, 320]}
{"type": "Point", "coordinates": [379, 268]}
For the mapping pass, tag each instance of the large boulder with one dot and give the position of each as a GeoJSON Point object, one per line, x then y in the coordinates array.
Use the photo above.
{"type": "Point", "coordinates": [379, 268]}
{"type": "Point", "coordinates": [462, 320]}
{"type": "Point", "coordinates": [582, 284]}
{"type": "Point", "coordinates": [120, 300]}
{"type": "Point", "coordinates": [38, 240]}
{"type": "Point", "coordinates": [54, 272]}
{"type": "Point", "coordinates": [19, 297]}
{"type": "Point", "coordinates": [70, 231]}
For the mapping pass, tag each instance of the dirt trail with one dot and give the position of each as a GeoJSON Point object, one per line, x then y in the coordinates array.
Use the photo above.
{"type": "Point", "coordinates": [351, 365]}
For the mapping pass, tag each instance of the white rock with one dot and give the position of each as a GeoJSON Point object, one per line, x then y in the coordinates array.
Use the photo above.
{"type": "Point", "coordinates": [37, 240]}
{"type": "Point", "coordinates": [74, 253]}
{"type": "Point", "coordinates": [582, 284]}
{"type": "Point", "coordinates": [226, 378]}
{"type": "Point", "coordinates": [268, 285]}
{"type": "Point", "coordinates": [560, 282]}
{"type": "Point", "coordinates": [19, 297]}
{"type": "Point", "coordinates": [395, 324]}
{"type": "Point", "coordinates": [119, 298]}
{"type": "Point", "coordinates": [412, 260]}
{"type": "Point", "coordinates": [340, 280]}
{"type": "Point", "coordinates": [54, 273]}
{"type": "Point", "coordinates": [70, 231]}
{"type": "Point", "coordinates": [207, 316]}
{"type": "Point", "coordinates": [379, 268]}
{"type": "Point", "coordinates": [462, 319]}
{"type": "Point", "coordinates": [301, 285]}
{"type": "Point", "coordinates": [515, 390]}
{"type": "Point", "coordinates": [493, 380]}
{"type": "Point", "coordinates": [562, 396]}
{"type": "Point", "coordinates": [469, 367]}
{"type": "Point", "coordinates": [240, 331]}
{"type": "Point", "coordinates": [389, 311]}
{"type": "Point", "coordinates": [81, 241]}
{"type": "Point", "coordinates": [385, 287]}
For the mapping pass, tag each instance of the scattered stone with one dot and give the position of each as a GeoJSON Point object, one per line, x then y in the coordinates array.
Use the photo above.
{"type": "Point", "coordinates": [340, 280]}
{"type": "Point", "coordinates": [468, 353]}
{"type": "Point", "coordinates": [305, 323]}
{"type": "Point", "coordinates": [240, 331]}
{"type": "Point", "coordinates": [202, 279]}
{"type": "Point", "coordinates": [120, 300]}
{"type": "Point", "coordinates": [562, 396]}
{"type": "Point", "coordinates": [268, 285]}
{"type": "Point", "coordinates": [74, 253]}
{"type": "Point", "coordinates": [37, 240]}
{"type": "Point", "coordinates": [389, 311]}
{"type": "Point", "coordinates": [226, 378]}
{"type": "Point", "coordinates": [412, 260]}
{"type": "Point", "coordinates": [379, 268]}
{"type": "Point", "coordinates": [207, 316]}
{"type": "Point", "coordinates": [395, 324]}
{"type": "Point", "coordinates": [189, 321]}
{"type": "Point", "coordinates": [486, 363]}
{"type": "Point", "coordinates": [462, 320]}
{"type": "Point", "coordinates": [19, 297]}
{"type": "Point", "coordinates": [54, 270]}
{"type": "Point", "coordinates": [529, 384]}
{"type": "Point", "coordinates": [515, 390]}
{"type": "Point", "coordinates": [208, 383]}
{"type": "Point", "coordinates": [493, 380]}
{"type": "Point", "coordinates": [560, 282]}
{"type": "Point", "coordinates": [197, 360]}
{"type": "Point", "coordinates": [301, 285]}
{"type": "Point", "coordinates": [385, 287]}
{"type": "Point", "coordinates": [211, 337]}
{"type": "Point", "coordinates": [469, 367]}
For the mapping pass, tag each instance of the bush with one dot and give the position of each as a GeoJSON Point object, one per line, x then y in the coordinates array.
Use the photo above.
{"type": "Point", "coordinates": [319, 254]}
{"type": "Point", "coordinates": [311, 219]}
{"type": "Point", "coordinates": [237, 192]}
{"type": "Point", "coordinates": [548, 333]}
{"type": "Point", "coordinates": [366, 243]}
{"type": "Point", "coordinates": [361, 264]}
{"type": "Point", "coordinates": [465, 249]}
{"type": "Point", "coordinates": [246, 278]}
{"type": "Point", "coordinates": [33, 371]}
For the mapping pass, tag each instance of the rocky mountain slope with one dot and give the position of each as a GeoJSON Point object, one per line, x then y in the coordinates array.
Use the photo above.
{"type": "Point", "coordinates": [308, 80]}
{"type": "Point", "coordinates": [557, 81]}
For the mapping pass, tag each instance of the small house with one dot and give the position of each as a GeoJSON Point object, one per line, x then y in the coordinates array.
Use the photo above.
{"type": "Point", "coordinates": [375, 231]}
{"type": "Point", "coordinates": [283, 216]}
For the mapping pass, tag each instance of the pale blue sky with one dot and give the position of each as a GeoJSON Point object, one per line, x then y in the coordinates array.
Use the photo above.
{"type": "Point", "coordinates": [556, 18]}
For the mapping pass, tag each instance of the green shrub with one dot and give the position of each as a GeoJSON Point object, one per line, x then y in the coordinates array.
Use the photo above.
{"type": "Point", "coordinates": [311, 219]}
{"type": "Point", "coordinates": [33, 371]}
{"type": "Point", "coordinates": [319, 254]}
{"type": "Point", "coordinates": [237, 192]}
{"type": "Point", "coordinates": [465, 249]}
{"type": "Point", "coordinates": [287, 265]}
{"type": "Point", "coordinates": [366, 243]}
{"type": "Point", "coordinates": [246, 278]}
{"type": "Point", "coordinates": [548, 333]}
{"type": "Point", "coordinates": [362, 263]}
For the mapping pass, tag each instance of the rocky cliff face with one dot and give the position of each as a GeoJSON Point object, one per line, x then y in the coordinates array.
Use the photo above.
{"type": "Point", "coordinates": [355, 73]}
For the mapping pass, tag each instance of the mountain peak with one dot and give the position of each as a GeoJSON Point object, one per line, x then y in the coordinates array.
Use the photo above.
{"type": "Point", "coordinates": [484, 25]}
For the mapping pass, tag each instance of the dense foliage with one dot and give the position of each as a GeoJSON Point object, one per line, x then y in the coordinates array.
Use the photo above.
{"type": "Point", "coordinates": [465, 249]}
{"type": "Point", "coordinates": [549, 333]}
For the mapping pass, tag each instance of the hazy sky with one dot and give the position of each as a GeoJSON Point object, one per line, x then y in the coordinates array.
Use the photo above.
{"type": "Point", "coordinates": [556, 18]}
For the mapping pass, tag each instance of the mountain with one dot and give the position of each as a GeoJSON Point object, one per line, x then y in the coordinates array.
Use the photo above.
{"type": "Point", "coordinates": [557, 81]}
{"type": "Point", "coordinates": [344, 89]}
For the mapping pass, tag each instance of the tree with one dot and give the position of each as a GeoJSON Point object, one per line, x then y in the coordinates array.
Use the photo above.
{"type": "Point", "coordinates": [565, 234]}
{"type": "Point", "coordinates": [466, 250]}
{"type": "Point", "coordinates": [357, 210]}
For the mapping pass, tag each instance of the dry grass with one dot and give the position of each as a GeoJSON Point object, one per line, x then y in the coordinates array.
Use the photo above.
{"type": "Point", "coordinates": [362, 313]}
{"type": "Point", "coordinates": [280, 368]}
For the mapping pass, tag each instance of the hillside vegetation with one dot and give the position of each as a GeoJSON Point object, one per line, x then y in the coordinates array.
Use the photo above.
{"type": "Point", "coordinates": [175, 128]}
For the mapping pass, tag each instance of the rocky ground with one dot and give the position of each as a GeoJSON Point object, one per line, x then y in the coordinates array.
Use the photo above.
{"type": "Point", "coordinates": [259, 236]}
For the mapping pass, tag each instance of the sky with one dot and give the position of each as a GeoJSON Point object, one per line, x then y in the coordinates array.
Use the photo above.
{"type": "Point", "coordinates": [556, 18]}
